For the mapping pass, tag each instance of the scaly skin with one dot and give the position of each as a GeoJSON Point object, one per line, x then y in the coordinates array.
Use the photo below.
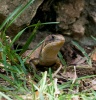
{"type": "Point", "coordinates": [46, 54]}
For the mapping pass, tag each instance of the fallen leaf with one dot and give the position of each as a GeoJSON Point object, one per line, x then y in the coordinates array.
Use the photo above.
{"type": "Point", "coordinates": [93, 83]}
{"type": "Point", "coordinates": [93, 56]}
{"type": "Point", "coordinates": [76, 98]}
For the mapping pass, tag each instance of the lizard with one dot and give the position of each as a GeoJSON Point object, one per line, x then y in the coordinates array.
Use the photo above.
{"type": "Point", "coordinates": [46, 53]}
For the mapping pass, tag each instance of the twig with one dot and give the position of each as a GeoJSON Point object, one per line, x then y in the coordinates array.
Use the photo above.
{"type": "Point", "coordinates": [55, 73]}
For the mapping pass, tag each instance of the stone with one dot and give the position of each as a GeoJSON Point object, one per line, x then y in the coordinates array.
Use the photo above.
{"type": "Point", "coordinates": [90, 11]}
{"type": "Point", "coordinates": [93, 16]}
{"type": "Point", "coordinates": [78, 27]}
{"type": "Point", "coordinates": [8, 6]}
{"type": "Point", "coordinates": [68, 12]}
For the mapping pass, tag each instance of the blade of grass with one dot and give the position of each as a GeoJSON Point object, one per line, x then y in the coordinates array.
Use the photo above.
{"type": "Point", "coordinates": [6, 78]}
{"type": "Point", "coordinates": [11, 68]}
{"type": "Point", "coordinates": [29, 39]}
{"type": "Point", "coordinates": [21, 66]}
{"type": "Point", "coordinates": [94, 92]}
{"type": "Point", "coordinates": [50, 74]}
{"type": "Point", "coordinates": [85, 77]}
{"type": "Point", "coordinates": [5, 96]}
{"type": "Point", "coordinates": [5, 88]}
{"type": "Point", "coordinates": [34, 25]}
{"type": "Point", "coordinates": [61, 59]}
{"type": "Point", "coordinates": [17, 82]}
{"type": "Point", "coordinates": [93, 38]}
{"type": "Point", "coordinates": [65, 85]}
{"type": "Point", "coordinates": [17, 36]}
{"type": "Point", "coordinates": [84, 52]}
{"type": "Point", "coordinates": [19, 13]}
{"type": "Point", "coordinates": [43, 81]}
{"type": "Point", "coordinates": [47, 23]}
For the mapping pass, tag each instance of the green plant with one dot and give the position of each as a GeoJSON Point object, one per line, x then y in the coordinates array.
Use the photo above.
{"type": "Point", "coordinates": [19, 82]}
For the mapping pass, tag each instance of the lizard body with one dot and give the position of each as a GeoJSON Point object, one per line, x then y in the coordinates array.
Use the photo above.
{"type": "Point", "coordinates": [46, 54]}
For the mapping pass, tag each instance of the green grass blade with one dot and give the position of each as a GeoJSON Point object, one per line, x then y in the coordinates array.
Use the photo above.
{"type": "Point", "coordinates": [5, 96]}
{"type": "Point", "coordinates": [43, 81]}
{"type": "Point", "coordinates": [85, 77]}
{"type": "Point", "coordinates": [61, 59]}
{"type": "Point", "coordinates": [94, 92]}
{"type": "Point", "coordinates": [50, 74]}
{"type": "Point", "coordinates": [30, 39]}
{"type": "Point", "coordinates": [21, 32]}
{"type": "Point", "coordinates": [22, 65]}
{"type": "Point", "coordinates": [46, 23]}
{"type": "Point", "coordinates": [65, 85]}
{"type": "Point", "coordinates": [19, 13]}
{"type": "Point", "coordinates": [5, 88]}
{"type": "Point", "coordinates": [9, 67]}
{"type": "Point", "coordinates": [6, 78]}
{"type": "Point", "coordinates": [93, 38]}
{"type": "Point", "coordinates": [17, 36]}
{"type": "Point", "coordinates": [84, 52]}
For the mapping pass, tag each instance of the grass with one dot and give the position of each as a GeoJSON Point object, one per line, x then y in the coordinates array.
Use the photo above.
{"type": "Point", "coordinates": [83, 52]}
{"type": "Point", "coordinates": [19, 83]}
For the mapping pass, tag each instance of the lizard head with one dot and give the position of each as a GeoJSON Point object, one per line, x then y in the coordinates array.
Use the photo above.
{"type": "Point", "coordinates": [50, 49]}
{"type": "Point", "coordinates": [54, 39]}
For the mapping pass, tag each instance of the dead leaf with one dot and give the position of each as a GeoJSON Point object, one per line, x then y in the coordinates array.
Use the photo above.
{"type": "Point", "coordinates": [93, 56]}
{"type": "Point", "coordinates": [76, 98]}
{"type": "Point", "coordinates": [93, 83]}
{"type": "Point", "coordinates": [71, 74]}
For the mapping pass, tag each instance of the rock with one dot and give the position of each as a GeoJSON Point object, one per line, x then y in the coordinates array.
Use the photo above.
{"type": "Point", "coordinates": [93, 16]}
{"type": "Point", "coordinates": [77, 17]}
{"type": "Point", "coordinates": [78, 28]}
{"type": "Point", "coordinates": [68, 12]}
{"type": "Point", "coordinates": [8, 6]}
{"type": "Point", "coordinates": [90, 11]}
